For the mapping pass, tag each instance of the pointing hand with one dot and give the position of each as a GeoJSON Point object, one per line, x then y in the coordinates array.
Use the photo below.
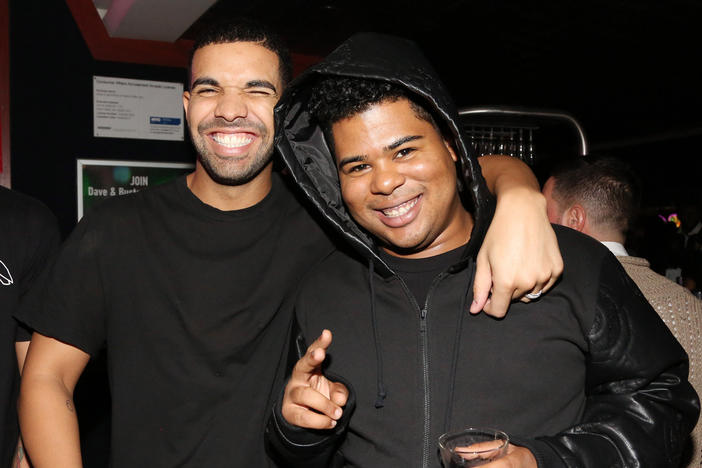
{"type": "Point", "coordinates": [311, 400]}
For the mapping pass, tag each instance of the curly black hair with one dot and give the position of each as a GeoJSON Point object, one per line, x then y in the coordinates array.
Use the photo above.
{"type": "Point", "coordinates": [336, 98]}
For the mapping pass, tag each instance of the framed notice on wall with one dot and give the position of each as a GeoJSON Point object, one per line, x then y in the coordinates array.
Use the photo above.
{"type": "Point", "coordinates": [127, 108]}
{"type": "Point", "coordinates": [98, 179]}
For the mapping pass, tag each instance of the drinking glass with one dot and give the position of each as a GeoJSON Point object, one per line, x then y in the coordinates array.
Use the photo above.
{"type": "Point", "coordinates": [472, 447]}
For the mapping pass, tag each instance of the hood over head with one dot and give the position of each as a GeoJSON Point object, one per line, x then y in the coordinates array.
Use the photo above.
{"type": "Point", "coordinates": [301, 142]}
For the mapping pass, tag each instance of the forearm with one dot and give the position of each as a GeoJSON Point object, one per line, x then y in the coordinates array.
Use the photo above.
{"type": "Point", "coordinates": [615, 432]}
{"type": "Point", "coordinates": [504, 173]}
{"type": "Point", "coordinates": [48, 422]}
{"type": "Point", "coordinates": [513, 184]}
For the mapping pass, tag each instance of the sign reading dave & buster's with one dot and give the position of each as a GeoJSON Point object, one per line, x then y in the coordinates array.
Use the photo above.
{"type": "Point", "coordinates": [101, 178]}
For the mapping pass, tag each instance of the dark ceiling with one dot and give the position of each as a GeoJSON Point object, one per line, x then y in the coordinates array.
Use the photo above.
{"type": "Point", "coordinates": [627, 69]}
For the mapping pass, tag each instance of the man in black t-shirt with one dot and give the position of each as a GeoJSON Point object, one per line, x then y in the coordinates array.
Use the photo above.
{"type": "Point", "coordinates": [189, 284]}
{"type": "Point", "coordinates": [29, 235]}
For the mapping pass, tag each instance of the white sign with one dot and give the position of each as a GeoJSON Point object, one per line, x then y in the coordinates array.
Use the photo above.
{"type": "Point", "coordinates": [126, 108]}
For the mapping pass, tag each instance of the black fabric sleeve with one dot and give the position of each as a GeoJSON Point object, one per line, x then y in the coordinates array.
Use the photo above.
{"type": "Point", "coordinates": [44, 238]}
{"type": "Point", "coordinates": [22, 333]}
{"type": "Point", "coordinates": [640, 407]}
{"type": "Point", "coordinates": [73, 304]}
{"type": "Point", "coordinates": [293, 446]}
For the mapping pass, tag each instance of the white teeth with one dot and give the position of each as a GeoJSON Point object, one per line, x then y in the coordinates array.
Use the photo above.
{"type": "Point", "coordinates": [232, 140]}
{"type": "Point", "coordinates": [399, 210]}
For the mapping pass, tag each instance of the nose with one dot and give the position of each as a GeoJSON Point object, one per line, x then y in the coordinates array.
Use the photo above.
{"type": "Point", "coordinates": [385, 179]}
{"type": "Point", "coordinates": [230, 106]}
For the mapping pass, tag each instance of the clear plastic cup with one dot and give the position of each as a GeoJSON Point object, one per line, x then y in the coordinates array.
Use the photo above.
{"type": "Point", "coordinates": [472, 447]}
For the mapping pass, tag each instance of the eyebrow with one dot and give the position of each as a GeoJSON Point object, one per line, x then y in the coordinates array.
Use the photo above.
{"type": "Point", "coordinates": [204, 81]}
{"type": "Point", "coordinates": [395, 144]}
{"type": "Point", "coordinates": [350, 160]}
{"type": "Point", "coordinates": [401, 141]}
{"type": "Point", "coordinates": [261, 84]}
{"type": "Point", "coordinates": [207, 81]}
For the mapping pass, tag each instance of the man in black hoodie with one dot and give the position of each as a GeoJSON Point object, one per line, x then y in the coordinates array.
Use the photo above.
{"type": "Point", "coordinates": [586, 376]}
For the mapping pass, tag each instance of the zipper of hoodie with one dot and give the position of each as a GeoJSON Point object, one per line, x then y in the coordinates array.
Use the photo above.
{"type": "Point", "coordinates": [423, 312]}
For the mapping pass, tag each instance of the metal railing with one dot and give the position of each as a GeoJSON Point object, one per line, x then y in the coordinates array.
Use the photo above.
{"type": "Point", "coordinates": [511, 130]}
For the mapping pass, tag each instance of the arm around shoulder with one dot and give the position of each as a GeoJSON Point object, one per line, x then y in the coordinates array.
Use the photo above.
{"type": "Point", "coordinates": [47, 415]}
{"type": "Point", "coordinates": [510, 266]}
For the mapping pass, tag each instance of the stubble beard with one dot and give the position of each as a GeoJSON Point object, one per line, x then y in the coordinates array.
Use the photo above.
{"type": "Point", "coordinates": [223, 170]}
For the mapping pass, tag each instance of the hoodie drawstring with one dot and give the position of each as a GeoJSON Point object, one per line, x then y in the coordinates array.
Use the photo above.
{"type": "Point", "coordinates": [380, 397]}
{"type": "Point", "coordinates": [456, 352]}
{"type": "Point", "coordinates": [381, 393]}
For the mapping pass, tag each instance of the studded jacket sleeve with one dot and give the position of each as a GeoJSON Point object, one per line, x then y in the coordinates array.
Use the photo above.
{"type": "Point", "coordinates": [640, 407]}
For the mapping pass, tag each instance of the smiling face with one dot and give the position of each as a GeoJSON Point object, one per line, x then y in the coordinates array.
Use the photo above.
{"type": "Point", "coordinates": [398, 180]}
{"type": "Point", "coordinates": [229, 109]}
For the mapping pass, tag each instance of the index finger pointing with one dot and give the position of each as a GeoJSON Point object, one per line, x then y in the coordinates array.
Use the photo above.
{"type": "Point", "coordinates": [315, 354]}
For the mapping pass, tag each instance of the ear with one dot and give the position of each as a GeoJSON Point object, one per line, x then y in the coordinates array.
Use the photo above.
{"type": "Point", "coordinates": [450, 149]}
{"type": "Point", "coordinates": [186, 102]}
{"type": "Point", "coordinates": [575, 217]}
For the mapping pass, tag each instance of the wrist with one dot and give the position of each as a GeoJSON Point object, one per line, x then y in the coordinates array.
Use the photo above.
{"type": "Point", "coordinates": [503, 173]}
{"type": "Point", "coordinates": [521, 196]}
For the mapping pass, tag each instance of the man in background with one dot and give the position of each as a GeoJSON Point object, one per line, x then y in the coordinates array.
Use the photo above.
{"type": "Point", "coordinates": [29, 236]}
{"type": "Point", "coordinates": [600, 197]}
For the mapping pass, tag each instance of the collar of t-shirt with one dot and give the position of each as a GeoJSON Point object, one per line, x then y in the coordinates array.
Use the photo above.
{"type": "Point", "coordinates": [616, 248]}
{"type": "Point", "coordinates": [269, 206]}
{"type": "Point", "coordinates": [418, 273]}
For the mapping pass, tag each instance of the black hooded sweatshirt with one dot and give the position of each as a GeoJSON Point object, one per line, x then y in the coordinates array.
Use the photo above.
{"type": "Point", "coordinates": [586, 376]}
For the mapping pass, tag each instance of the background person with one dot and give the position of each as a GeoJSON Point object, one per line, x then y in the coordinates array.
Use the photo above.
{"type": "Point", "coordinates": [29, 236]}
{"type": "Point", "coordinates": [600, 197]}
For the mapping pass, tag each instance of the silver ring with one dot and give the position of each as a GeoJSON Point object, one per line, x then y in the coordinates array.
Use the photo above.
{"type": "Point", "coordinates": [535, 295]}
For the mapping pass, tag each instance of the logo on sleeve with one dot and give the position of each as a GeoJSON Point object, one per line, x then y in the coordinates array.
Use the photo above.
{"type": "Point", "coordinates": [5, 275]}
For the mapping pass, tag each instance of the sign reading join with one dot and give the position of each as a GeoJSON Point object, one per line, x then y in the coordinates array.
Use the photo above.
{"type": "Point", "coordinates": [99, 178]}
{"type": "Point", "coordinates": [127, 108]}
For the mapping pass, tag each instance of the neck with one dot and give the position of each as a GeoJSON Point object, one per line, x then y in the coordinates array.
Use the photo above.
{"type": "Point", "coordinates": [607, 235]}
{"type": "Point", "coordinates": [230, 197]}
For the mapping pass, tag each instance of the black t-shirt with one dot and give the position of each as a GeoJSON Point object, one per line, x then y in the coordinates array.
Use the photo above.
{"type": "Point", "coordinates": [419, 273]}
{"type": "Point", "coordinates": [194, 305]}
{"type": "Point", "coordinates": [29, 235]}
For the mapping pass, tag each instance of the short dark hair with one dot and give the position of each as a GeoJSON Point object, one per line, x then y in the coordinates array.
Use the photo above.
{"type": "Point", "coordinates": [606, 187]}
{"type": "Point", "coordinates": [336, 98]}
{"type": "Point", "coordinates": [244, 30]}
